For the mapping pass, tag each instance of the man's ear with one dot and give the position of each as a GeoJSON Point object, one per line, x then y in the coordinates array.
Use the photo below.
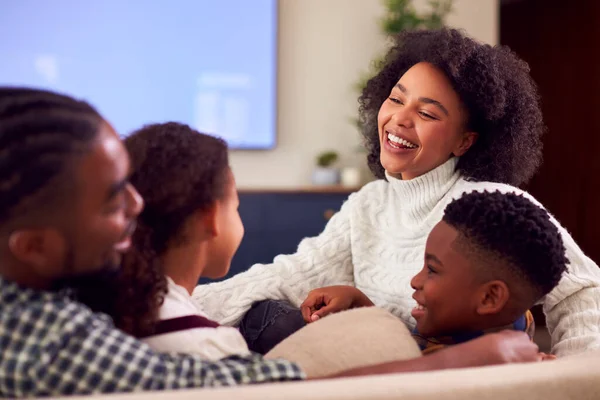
{"type": "Point", "coordinates": [468, 140]}
{"type": "Point", "coordinates": [42, 249]}
{"type": "Point", "coordinates": [493, 297]}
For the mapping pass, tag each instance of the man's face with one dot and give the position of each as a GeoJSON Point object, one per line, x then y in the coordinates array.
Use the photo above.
{"type": "Point", "coordinates": [104, 210]}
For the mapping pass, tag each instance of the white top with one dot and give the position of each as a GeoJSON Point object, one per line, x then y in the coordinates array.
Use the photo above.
{"type": "Point", "coordinates": [210, 343]}
{"type": "Point", "coordinates": [376, 242]}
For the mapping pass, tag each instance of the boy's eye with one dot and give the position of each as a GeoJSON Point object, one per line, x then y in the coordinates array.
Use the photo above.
{"type": "Point", "coordinates": [430, 270]}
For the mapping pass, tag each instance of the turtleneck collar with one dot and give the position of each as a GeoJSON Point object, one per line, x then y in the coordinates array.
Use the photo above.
{"type": "Point", "coordinates": [419, 196]}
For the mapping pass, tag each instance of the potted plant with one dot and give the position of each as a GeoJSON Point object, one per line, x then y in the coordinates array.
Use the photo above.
{"type": "Point", "coordinates": [325, 173]}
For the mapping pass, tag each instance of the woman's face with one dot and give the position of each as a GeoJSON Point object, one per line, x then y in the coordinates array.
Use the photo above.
{"type": "Point", "coordinates": [422, 123]}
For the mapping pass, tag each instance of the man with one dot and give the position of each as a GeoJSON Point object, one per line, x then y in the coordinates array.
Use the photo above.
{"type": "Point", "coordinates": [67, 213]}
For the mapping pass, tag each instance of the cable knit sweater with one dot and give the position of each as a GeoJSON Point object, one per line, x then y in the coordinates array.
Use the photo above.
{"type": "Point", "coordinates": [376, 243]}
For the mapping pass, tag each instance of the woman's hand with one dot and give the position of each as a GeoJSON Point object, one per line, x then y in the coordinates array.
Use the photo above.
{"type": "Point", "coordinates": [332, 299]}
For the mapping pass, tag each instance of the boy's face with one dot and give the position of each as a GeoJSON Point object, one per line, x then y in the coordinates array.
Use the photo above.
{"type": "Point", "coordinates": [446, 289]}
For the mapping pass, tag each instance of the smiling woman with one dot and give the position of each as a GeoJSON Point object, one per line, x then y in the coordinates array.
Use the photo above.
{"type": "Point", "coordinates": [444, 116]}
{"type": "Point", "coordinates": [416, 130]}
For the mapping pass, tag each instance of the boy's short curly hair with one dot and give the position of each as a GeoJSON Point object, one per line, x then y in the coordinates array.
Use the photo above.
{"type": "Point", "coordinates": [496, 89]}
{"type": "Point", "coordinates": [508, 231]}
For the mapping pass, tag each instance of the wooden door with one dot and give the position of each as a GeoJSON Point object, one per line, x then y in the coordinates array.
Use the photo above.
{"type": "Point", "coordinates": [561, 42]}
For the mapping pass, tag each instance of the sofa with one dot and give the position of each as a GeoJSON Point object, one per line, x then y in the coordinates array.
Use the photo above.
{"type": "Point", "coordinates": [328, 346]}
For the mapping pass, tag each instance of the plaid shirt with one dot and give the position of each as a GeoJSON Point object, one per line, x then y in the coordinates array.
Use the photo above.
{"type": "Point", "coordinates": [51, 345]}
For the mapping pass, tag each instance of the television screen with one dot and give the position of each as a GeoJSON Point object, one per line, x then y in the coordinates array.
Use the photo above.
{"type": "Point", "coordinates": [208, 63]}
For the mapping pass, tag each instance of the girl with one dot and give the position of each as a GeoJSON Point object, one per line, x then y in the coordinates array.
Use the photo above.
{"type": "Point", "coordinates": [190, 227]}
{"type": "Point", "coordinates": [444, 116]}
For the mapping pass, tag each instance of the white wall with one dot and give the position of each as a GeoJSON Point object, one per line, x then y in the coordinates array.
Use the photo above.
{"type": "Point", "coordinates": [324, 46]}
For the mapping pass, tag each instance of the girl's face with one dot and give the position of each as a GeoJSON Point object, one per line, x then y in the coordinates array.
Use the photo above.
{"type": "Point", "coordinates": [229, 231]}
{"type": "Point", "coordinates": [422, 123]}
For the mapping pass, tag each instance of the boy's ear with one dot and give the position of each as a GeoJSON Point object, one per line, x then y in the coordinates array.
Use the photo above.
{"type": "Point", "coordinates": [493, 298]}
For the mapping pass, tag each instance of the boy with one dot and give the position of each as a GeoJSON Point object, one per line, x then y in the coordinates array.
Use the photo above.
{"type": "Point", "coordinates": [489, 260]}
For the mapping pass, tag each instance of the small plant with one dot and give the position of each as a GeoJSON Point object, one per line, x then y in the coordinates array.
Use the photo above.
{"type": "Point", "coordinates": [327, 159]}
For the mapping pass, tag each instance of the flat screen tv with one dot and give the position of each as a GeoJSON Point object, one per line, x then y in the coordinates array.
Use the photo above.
{"type": "Point", "coordinates": [209, 63]}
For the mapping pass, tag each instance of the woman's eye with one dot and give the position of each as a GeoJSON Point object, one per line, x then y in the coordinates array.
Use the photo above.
{"type": "Point", "coordinates": [426, 115]}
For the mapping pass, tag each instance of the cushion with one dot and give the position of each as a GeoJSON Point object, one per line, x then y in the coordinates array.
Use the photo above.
{"type": "Point", "coordinates": [349, 339]}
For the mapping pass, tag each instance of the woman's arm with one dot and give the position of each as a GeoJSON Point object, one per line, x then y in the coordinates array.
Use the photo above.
{"type": "Point", "coordinates": [573, 308]}
{"type": "Point", "coordinates": [320, 261]}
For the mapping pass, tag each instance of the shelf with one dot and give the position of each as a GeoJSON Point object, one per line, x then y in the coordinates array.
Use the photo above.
{"type": "Point", "coordinates": [303, 189]}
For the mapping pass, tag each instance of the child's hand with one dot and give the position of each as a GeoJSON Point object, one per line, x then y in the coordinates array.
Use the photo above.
{"type": "Point", "coordinates": [547, 357]}
{"type": "Point", "coordinates": [332, 299]}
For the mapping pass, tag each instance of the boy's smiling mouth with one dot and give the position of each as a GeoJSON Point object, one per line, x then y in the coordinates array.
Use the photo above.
{"type": "Point", "coordinates": [419, 310]}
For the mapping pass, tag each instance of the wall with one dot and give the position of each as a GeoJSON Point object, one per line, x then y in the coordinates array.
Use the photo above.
{"type": "Point", "coordinates": [324, 46]}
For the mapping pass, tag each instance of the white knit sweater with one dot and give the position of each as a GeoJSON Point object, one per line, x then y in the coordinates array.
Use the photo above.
{"type": "Point", "coordinates": [376, 242]}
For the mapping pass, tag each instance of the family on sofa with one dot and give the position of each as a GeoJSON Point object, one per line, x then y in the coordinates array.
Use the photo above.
{"type": "Point", "coordinates": [104, 240]}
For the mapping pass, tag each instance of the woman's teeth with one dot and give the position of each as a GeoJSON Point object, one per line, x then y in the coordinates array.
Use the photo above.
{"type": "Point", "coordinates": [396, 142]}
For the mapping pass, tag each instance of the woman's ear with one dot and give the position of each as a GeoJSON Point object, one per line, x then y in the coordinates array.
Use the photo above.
{"type": "Point", "coordinates": [493, 298]}
{"type": "Point", "coordinates": [468, 140]}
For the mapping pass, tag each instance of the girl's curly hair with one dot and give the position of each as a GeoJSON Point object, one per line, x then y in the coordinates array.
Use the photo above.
{"type": "Point", "coordinates": [178, 171]}
{"type": "Point", "coordinates": [496, 89]}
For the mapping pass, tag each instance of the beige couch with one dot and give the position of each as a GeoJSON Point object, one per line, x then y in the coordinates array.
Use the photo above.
{"type": "Point", "coordinates": [329, 346]}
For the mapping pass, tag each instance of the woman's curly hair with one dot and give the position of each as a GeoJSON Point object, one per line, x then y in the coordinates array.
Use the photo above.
{"type": "Point", "coordinates": [178, 171]}
{"type": "Point", "coordinates": [496, 89]}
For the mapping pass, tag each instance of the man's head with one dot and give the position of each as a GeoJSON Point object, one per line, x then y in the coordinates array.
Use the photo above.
{"type": "Point", "coordinates": [490, 259]}
{"type": "Point", "coordinates": [66, 207]}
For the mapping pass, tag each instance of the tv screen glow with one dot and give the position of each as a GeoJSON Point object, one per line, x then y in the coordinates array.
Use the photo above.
{"type": "Point", "coordinates": [208, 63]}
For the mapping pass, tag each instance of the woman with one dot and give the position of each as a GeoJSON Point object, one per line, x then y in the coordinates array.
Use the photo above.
{"type": "Point", "coordinates": [445, 115]}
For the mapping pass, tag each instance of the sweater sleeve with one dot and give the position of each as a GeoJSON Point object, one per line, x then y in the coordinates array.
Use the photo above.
{"type": "Point", "coordinates": [573, 308]}
{"type": "Point", "coordinates": [319, 261]}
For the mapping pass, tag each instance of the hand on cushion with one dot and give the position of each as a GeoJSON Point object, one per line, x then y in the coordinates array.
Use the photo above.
{"type": "Point", "coordinates": [332, 299]}
{"type": "Point", "coordinates": [547, 357]}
